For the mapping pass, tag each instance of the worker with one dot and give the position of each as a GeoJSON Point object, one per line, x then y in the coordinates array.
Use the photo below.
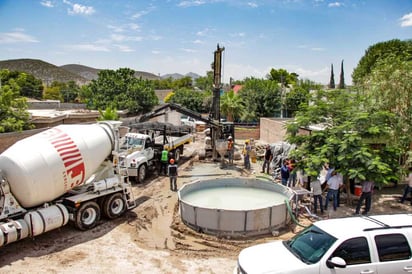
{"type": "Point", "coordinates": [246, 154]}
{"type": "Point", "coordinates": [230, 149]}
{"type": "Point", "coordinates": [172, 172]}
{"type": "Point", "coordinates": [164, 158]}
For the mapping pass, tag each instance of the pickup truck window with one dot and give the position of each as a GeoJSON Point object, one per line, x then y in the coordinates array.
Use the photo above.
{"type": "Point", "coordinates": [354, 251]}
{"type": "Point", "coordinates": [310, 245]}
{"type": "Point", "coordinates": [392, 247]}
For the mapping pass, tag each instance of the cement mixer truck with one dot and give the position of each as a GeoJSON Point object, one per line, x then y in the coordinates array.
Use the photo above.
{"type": "Point", "coordinates": [66, 173]}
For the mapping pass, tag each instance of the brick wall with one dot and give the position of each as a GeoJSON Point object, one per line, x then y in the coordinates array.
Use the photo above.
{"type": "Point", "coordinates": [243, 133]}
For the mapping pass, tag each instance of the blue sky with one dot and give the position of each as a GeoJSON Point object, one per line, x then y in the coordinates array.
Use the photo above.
{"type": "Point", "coordinates": [161, 37]}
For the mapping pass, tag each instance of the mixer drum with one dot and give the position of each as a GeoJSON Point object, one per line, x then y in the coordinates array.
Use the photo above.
{"type": "Point", "coordinates": [44, 166]}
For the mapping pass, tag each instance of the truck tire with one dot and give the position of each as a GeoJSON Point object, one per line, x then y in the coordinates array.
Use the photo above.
{"type": "Point", "coordinates": [114, 205]}
{"type": "Point", "coordinates": [177, 155]}
{"type": "Point", "coordinates": [141, 173]}
{"type": "Point", "coordinates": [87, 215]}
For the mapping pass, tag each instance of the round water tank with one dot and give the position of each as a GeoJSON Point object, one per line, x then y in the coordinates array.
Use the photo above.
{"type": "Point", "coordinates": [234, 206]}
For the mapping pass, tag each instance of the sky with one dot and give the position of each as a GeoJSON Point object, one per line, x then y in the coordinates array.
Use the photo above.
{"type": "Point", "coordinates": [180, 36]}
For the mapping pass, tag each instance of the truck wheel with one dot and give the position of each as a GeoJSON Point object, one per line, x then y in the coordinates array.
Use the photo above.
{"type": "Point", "coordinates": [114, 206]}
{"type": "Point", "coordinates": [141, 174]}
{"type": "Point", "coordinates": [177, 155]}
{"type": "Point", "coordinates": [87, 216]}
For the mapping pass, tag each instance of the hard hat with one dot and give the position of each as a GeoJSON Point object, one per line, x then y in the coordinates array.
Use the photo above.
{"type": "Point", "coordinates": [172, 161]}
{"type": "Point", "coordinates": [230, 137]}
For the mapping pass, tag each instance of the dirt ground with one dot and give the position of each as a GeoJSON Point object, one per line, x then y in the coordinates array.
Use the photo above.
{"type": "Point", "coordinates": [151, 238]}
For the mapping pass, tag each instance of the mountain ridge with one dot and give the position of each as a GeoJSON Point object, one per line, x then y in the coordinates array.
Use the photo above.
{"type": "Point", "coordinates": [80, 74]}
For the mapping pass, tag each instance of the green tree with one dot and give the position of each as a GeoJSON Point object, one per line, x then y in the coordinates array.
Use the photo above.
{"type": "Point", "coordinates": [184, 82]}
{"type": "Point", "coordinates": [205, 83]}
{"type": "Point", "coordinates": [351, 139]}
{"type": "Point", "coordinates": [121, 90]}
{"type": "Point", "coordinates": [262, 98]}
{"type": "Point", "coordinates": [69, 91]}
{"type": "Point", "coordinates": [295, 98]}
{"type": "Point", "coordinates": [29, 86]}
{"type": "Point", "coordinates": [283, 76]}
{"type": "Point", "coordinates": [188, 98]}
{"type": "Point", "coordinates": [108, 114]}
{"type": "Point", "coordinates": [375, 54]}
{"type": "Point", "coordinates": [231, 106]}
{"type": "Point", "coordinates": [13, 107]}
{"type": "Point", "coordinates": [52, 93]}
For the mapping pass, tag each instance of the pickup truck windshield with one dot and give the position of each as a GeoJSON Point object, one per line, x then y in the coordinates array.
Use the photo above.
{"type": "Point", "coordinates": [310, 244]}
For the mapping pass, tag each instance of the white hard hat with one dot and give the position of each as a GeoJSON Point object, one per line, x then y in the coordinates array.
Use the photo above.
{"type": "Point", "coordinates": [230, 137]}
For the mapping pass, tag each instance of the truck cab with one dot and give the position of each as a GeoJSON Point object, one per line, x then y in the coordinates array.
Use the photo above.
{"type": "Point", "coordinates": [137, 153]}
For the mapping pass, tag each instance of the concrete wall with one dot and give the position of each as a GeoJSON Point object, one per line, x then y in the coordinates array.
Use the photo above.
{"type": "Point", "coordinates": [272, 130]}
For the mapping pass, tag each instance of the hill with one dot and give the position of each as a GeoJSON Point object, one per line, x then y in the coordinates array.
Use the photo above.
{"type": "Point", "coordinates": [176, 76]}
{"type": "Point", "coordinates": [72, 72]}
{"type": "Point", "coordinates": [92, 73]}
{"type": "Point", "coordinates": [45, 71]}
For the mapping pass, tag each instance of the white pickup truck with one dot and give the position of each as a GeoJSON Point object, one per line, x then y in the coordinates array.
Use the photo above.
{"type": "Point", "coordinates": [140, 153]}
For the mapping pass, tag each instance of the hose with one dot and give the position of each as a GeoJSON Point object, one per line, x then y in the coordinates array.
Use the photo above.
{"type": "Point", "coordinates": [292, 215]}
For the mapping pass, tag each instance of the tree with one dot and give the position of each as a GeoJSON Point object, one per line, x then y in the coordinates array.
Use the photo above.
{"type": "Point", "coordinates": [29, 86]}
{"type": "Point", "coordinates": [282, 76]}
{"type": "Point", "coordinates": [13, 107]}
{"type": "Point", "coordinates": [108, 114]}
{"type": "Point", "coordinates": [188, 98]}
{"type": "Point", "coordinates": [342, 77]}
{"type": "Point", "coordinates": [231, 106]}
{"type": "Point", "coordinates": [52, 93]}
{"type": "Point", "coordinates": [69, 92]}
{"type": "Point", "coordinates": [375, 54]}
{"type": "Point", "coordinates": [332, 78]}
{"type": "Point", "coordinates": [262, 98]}
{"type": "Point", "coordinates": [205, 83]}
{"type": "Point", "coordinates": [352, 140]}
{"type": "Point", "coordinates": [121, 90]}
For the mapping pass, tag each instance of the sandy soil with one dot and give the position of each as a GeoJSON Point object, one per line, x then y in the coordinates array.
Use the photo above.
{"type": "Point", "coordinates": [151, 238]}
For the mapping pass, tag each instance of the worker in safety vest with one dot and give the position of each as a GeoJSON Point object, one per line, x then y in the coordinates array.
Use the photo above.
{"type": "Point", "coordinates": [164, 159]}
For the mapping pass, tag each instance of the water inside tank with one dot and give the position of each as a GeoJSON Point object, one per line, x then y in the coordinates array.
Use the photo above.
{"type": "Point", "coordinates": [234, 198]}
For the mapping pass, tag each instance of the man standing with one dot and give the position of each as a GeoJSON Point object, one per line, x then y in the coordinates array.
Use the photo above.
{"type": "Point", "coordinates": [267, 159]}
{"type": "Point", "coordinates": [316, 189]}
{"type": "Point", "coordinates": [230, 149]}
{"type": "Point", "coordinates": [333, 186]}
{"type": "Point", "coordinates": [163, 161]}
{"type": "Point", "coordinates": [284, 172]}
{"type": "Point", "coordinates": [172, 172]}
{"type": "Point", "coordinates": [367, 190]}
{"type": "Point", "coordinates": [246, 154]}
{"type": "Point", "coordinates": [408, 187]}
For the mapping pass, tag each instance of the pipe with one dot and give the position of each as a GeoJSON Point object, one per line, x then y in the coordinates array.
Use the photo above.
{"type": "Point", "coordinates": [291, 214]}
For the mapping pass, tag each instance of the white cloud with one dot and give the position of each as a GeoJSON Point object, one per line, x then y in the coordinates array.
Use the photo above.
{"type": "Point", "coordinates": [139, 14]}
{"type": "Point", "coordinates": [335, 5]}
{"type": "Point", "coordinates": [186, 4]}
{"type": "Point", "coordinates": [123, 38]}
{"type": "Point", "coordinates": [318, 49]}
{"type": "Point", "coordinates": [156, 52]}
{"type": "Point", "coordinates": [188, 50]}
{"type": "Point", "coordinates": [406, 20]}
{"type": "Point", "coordinates": [16, 37]}
{"type": "Point", "coordinates": [197, 41]}
{"type": "Point", "coordinates": [252, 4]}
{"type": "Point", "coordinates": [79, 9]}
{"type": "Point", "coordinates": [239, 34]}
{"type": "Point", "coordinates": [47, 4]}
{"type": "Point", "coordinates": [88, 47]}
{"type": "Point", "coordinates": [202, 32]}
{"type": "Point", "coordinates": [124, 48]}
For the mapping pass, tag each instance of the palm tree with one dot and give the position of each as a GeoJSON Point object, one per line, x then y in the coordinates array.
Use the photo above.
{"type": "Point", "coordinates": [231, 105]}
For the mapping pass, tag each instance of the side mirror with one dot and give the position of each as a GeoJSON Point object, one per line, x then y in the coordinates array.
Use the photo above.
{"type": "Point", "coordinates": [336, 262]}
